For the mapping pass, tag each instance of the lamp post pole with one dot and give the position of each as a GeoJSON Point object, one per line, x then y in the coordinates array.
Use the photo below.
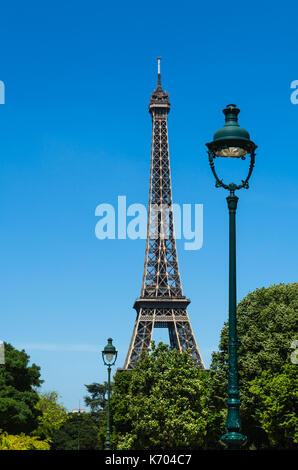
{"type": "Point", "coordinates": [108, 433]}
{"type": "Point", "coordinates": [109, 355]}
{"type": "Point", "coordinates": [232, 141]}
{"type": "Point", "coordinates": [79, 412]}
{"type": "Point", "coordinates": [233, 439]}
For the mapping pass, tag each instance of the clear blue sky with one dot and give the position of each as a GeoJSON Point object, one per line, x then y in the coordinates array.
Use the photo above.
{"type": "Point", "coordinates": [75, 132]}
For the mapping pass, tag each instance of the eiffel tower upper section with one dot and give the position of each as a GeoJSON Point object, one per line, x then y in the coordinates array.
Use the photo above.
{"type": "Point", "coordinates": [161, 273]}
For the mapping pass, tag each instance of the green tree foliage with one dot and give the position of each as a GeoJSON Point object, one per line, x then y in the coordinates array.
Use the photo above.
{"type": "Point", "coordinates": [267, 325]}
{"type": "Point", "coordinates": [79, 432]}
{"type": "Point", "coordinates": [18, 396]}
{"type": "Point", "coordinates": [96, 400]}
{"type": "Point", "coordinates": [277, 399]}
{"type": "Point", "coordinates": [21, 442]}
{"type": "Point", "coordinates": [52, 415]}
{"type": "Point", "coordinates": [120, 411]}
{"type": "Point", "coordinates": [160, 404]}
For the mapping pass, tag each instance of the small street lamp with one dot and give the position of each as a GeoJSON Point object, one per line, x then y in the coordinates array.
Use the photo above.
{"type": "Point", "coordinates": [79, 412]}
{"type": "Point", "coordinates": [109, 356]}
{"type": "Point", "coordinates": [232, 141]}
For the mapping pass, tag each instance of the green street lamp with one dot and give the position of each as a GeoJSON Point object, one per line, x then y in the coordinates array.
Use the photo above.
{"type": "Point", "coordinates": [79, 411]}
{"type": "Point", "coordinates": [109, 356]}
{"type": "Point", "coordinates": [232, 141]}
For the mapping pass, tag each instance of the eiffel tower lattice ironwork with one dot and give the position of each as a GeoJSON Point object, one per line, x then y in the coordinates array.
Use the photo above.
{"type": "Point", "coordinates": [162, 303]}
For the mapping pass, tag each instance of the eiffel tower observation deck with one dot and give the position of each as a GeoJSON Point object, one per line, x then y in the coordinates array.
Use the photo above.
{"type": "Point", "coordinates": [162, 303]}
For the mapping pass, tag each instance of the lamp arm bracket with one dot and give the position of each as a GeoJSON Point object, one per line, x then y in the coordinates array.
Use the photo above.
{"type": "Point", "coordinates": [232, 187]}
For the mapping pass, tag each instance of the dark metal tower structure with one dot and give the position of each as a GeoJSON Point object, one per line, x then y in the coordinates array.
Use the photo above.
{"type": "Point", "coordinates": [162, 303]}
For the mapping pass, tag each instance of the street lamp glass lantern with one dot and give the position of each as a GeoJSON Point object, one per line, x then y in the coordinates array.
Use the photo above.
{"type": "Point", "coordinates": [231, 152]}
{"type": "Point", "coordinates": [109, 354]}
{"type": "Point", "coordinates": [109, 357]}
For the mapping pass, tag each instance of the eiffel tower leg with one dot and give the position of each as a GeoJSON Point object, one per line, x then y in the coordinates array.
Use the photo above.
{"type": "Point", "coordinates": [174, 342]}
{"type": "Point", "coordinates": [140, 341]}
{"type": "Point", "coordinates": [187, 341]}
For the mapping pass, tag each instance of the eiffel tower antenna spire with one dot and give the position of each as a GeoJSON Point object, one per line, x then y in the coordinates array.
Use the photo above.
{"type": "Point", "coordinates": [162, 303]}
{"type": "Point", "coordinates": [158, 72]}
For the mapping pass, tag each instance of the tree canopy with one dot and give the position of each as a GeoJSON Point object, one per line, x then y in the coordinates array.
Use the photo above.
{"type": "Point", "coordinates": [18, 395]}
{"type": "Point", "coordinates": [79, 432]}
{"type": "Point", "coordinates": [276, 405]}
{"type": "Point", "coordinates": [160, 404]}
{"type": "Point", "coordinates": [267, 325]}
{"type": "Point", "coordinates": [96, 400]}
{"type": "Point", "coordinates": [52, 415]}
{"type": "Point", "coordinates": [21, 442]}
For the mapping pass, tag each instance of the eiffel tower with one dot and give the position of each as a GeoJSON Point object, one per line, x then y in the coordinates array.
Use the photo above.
{"type": "Point", "coordinates": [162, 303]}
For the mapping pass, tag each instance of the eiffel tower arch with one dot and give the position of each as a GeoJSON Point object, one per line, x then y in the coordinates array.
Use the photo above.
{"type": "Point", "coordinates": [162, 303]}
